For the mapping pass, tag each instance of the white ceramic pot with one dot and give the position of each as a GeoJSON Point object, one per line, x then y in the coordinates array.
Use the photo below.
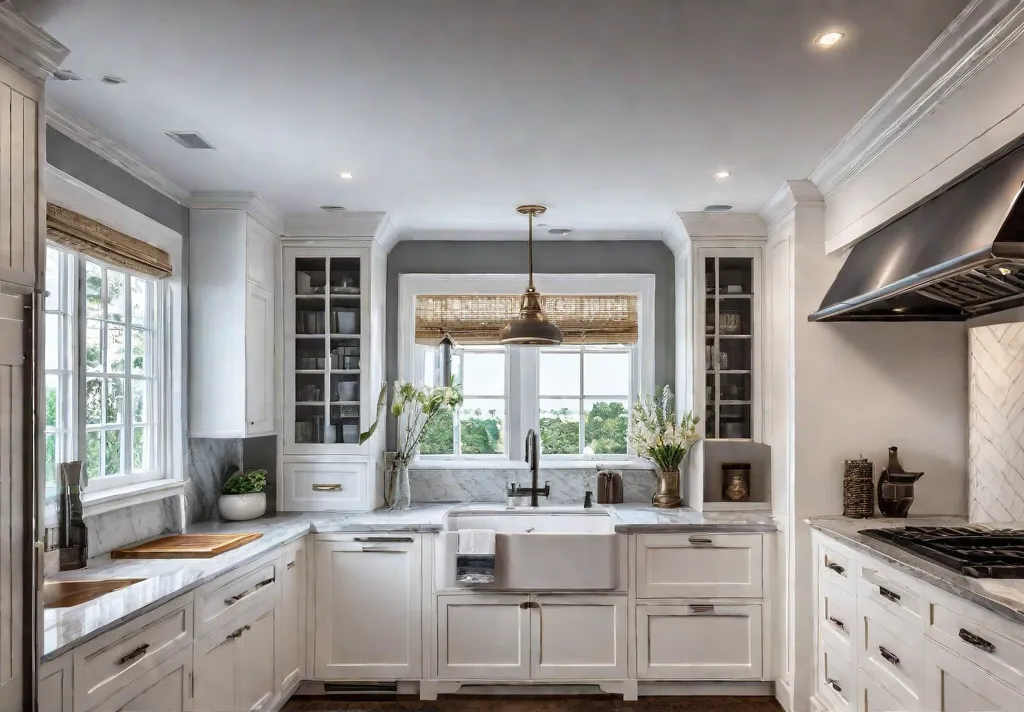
{"type": "Point", "coordinates": [242, 507]}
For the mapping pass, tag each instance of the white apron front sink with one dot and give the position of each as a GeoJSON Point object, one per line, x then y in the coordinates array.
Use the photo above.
{"type": "Point", "coordinates": [539, 550]}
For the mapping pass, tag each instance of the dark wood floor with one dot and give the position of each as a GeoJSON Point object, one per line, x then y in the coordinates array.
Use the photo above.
{"type": "Point", "coordinates": [580, 703]}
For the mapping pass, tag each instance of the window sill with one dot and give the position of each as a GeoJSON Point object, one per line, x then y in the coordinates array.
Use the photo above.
{"type": "Point", "coordinates": [108, 500]}
{"type": "Point", "coordinates": [548, 464]}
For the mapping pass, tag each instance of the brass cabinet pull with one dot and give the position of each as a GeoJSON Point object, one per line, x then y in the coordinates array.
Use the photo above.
{"type": "Point", "coordinates": [976, 640]}
{"type": "Point", "coordinates": [702, 608]}
{"type": "Point", "coordinates": [837, 623]}
{"type": "Point", "coordinates": [239, 596]}
{"type": "Point", "coordinates": [891, 595]}
{"type": "Point", "coordinates": [238, 632]}
{"type": "Point", "coordinates": [137, 653]}
{"type": "Point", "coordinates": [700, 540]}
{"type": "Point", "coordinates": [326, 488]}
{"type": "Point", "coordinates": [888, 655]}
{"type": "Point", "coordinates": [841, 570]}
{"type": "Point", "coordinates": [383, 539]}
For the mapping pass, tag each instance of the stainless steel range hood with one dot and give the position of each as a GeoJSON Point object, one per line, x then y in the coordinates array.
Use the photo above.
{"type": "Point", "coordinates": [958, 255]}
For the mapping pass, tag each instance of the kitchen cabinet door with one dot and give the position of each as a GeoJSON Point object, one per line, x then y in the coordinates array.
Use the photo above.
{"type": "Point", "coordinates": [55, 691]}
{"type": "Point", "coordinates": [367, 607]}
{"type": "Point", "coordinates": [698, 642]}
{"type": "Point", "coordinates": [259, 360]}
{"type": "Point", "coordinates": [260, 254]}
{"type": "Point", "coordinates": [216, 659]}
{"type": "Point", "coordinates": [291, 615]}
{"type": "Point", "coordinates": [580, 637]}
{"type": "Point", "coordinates": [257, 686]}
{"type": "Point", "coordinates": [165, 688]}
{"type": "Point", "coordinates": [483, 637]}
{"type": "Point", "coordinates": [952, 684]}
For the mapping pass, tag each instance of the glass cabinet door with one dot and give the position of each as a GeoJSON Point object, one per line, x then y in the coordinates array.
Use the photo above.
{"type": "Point", "coordinates": [729, 347]}
{"type": "Point", "coordinates": [327, 343]}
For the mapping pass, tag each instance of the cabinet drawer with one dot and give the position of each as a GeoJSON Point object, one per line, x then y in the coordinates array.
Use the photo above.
{"type": "Point", "coordinates": [219, 600]}
{"type": "Point", "coordinates": [971, 633]}
{"type": "Point", "coordinates": [835, 566]}
{"type": "Point", "coordinates": [952, 684]}
{"type": "Point", "coordinates": [110, 662]}
{"type": "Point", "coordinates": [325, 486]}
{"type": "Point", "coordinates": [837, 617]}
{"type": "Point", "coordinates": [873, 696]}
{"type": "Point", "coordinates": [729, 645]}
{"type": "Point", "coordinates": [837, 678]}
{"type": "Point", "coordinates": [891, 651]}
{"type": "Point", "coordinates": [699, 565]}
{"type": "Point", "coordinates": [892, 592]}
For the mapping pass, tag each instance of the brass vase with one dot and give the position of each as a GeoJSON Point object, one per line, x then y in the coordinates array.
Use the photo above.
{"type": "Point", "coordinates": [667, 495]}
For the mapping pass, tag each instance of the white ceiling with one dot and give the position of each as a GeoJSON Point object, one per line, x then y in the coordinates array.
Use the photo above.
{"type": "Point", "coordinates": [616, 113]}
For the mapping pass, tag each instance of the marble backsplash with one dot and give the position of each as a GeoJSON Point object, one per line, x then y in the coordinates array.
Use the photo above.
{"type": "Point", "coordinates": [210, 463]}
{"type": "Point", "coordinates": [567, 485]}
{"type": "Point", "coordinates": [128, 525]}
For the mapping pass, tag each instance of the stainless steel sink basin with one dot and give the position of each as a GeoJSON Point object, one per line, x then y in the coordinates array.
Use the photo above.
{"type": "Point", "coordinates": [64, 594]}
{"type": "Point", "coordinates": [546, 549]}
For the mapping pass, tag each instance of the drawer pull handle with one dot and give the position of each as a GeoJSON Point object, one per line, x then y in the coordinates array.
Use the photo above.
{"type": "Point", "coordinates": [841, 570]}
{"type": "Point", "coordinates": [891, 595]}
{"type": "Point", "coordinates": [239, 596]}
{"type": "Point", "coordinates": [701, 608]}
{"type": "Point", "coordinates": [700, 540]}
{"type": "Point", "coordinates": [888, 655]}
{"type": "Point", "coordinates": [382, 539]}
{"type": "Point", "coordinates": [835, 684]}
{"type": "Point", "coordinates": [976, 640]}
{"type": "Point", "coordinates": [837, 623]}
{"type": "Point", "coordinates": [137, 653]}
{"type": "Point", "coordinates": [238, 633]}
{"type": "Point", "coordinates": [291, 565]}
{"type": "Point", "coordinates": [379, 550]}
{"type": "Point", "coordinates": [326, 488]}
{"type": "Point", "coordinates": [526, 605]}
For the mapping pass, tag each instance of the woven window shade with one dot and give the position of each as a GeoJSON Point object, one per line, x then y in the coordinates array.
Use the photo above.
{"type": "Point", "coordinates": [474, 319]}
{"type": "Point", "coordinates": [93, 239]}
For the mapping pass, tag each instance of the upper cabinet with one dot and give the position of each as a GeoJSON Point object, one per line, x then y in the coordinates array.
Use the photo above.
{"type": "Point", "coordinates": [232, 276]}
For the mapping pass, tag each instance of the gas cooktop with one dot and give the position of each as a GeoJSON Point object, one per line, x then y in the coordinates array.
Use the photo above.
{"type": "Point", "coordinates": [973, 551]}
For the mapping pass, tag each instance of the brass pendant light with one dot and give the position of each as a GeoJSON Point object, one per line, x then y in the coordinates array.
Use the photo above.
{"type": "Point", "coordinates": [531, 328]}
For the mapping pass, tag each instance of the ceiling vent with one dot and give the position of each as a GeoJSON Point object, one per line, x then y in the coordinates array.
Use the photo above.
{"type": "Point", "coordinates": [188, 139]}
{"type": "Point", "coordinates": [66, 75]}
{"type": "Point", "coordinates": [332, 208]}
{"type": "Point", "coordinates": [559, 231]}
{"type": "Point", "coordinates": [113, 80]}
{"type": "Point", "coordinates": [717, 208]}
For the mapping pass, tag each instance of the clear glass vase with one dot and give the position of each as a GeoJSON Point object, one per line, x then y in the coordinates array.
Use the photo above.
{"type": "Point", "coordinates": [397, 494]}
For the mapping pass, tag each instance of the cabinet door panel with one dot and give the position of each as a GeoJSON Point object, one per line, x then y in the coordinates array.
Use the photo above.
{"type": "Point", "coordinates": [256, 683]}
{"type": "Point", "coordinates": [55, 691]}
{"type": "Point", "coordinates": [699, 565]}
{"type": "Point", "coordinates": [291, 616]}
{"type": "Point", "coordinates": [482, 637]}
{"type": "Point", "coordinates": [216, 685]}
{"type": "Point", "coordinates": [259, 360]}
{"type": "Point", "coordinates": [368, 607]}
{"type": "Point", "coordinates": [729, 645]}
{"type": "Point", "coordinates": [165, 688]}
{"type": "Point", "coordinates": [260, 254]}
{"type": "Point", "coordinates": [952, 684]}
{"type": "Point", "coordinates": [579, 637]}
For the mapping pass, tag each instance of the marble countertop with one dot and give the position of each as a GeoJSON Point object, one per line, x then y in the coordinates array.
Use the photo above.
{"type": "Point", "coordinates": [1003, 596]}
{"type": "Point", "coordinates": [165, 579]}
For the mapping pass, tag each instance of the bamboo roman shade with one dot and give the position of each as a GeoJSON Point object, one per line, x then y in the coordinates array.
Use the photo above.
{"type": "Point", "coordinates": [477, 318]}
{"type": "Point", "coordinates": [93, 239]}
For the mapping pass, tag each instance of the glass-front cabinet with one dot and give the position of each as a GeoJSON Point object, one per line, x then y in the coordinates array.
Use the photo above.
{"type": "Point", "coordinates": [731, 286]}
{"type": "Point", "coordinates": [325, 338]}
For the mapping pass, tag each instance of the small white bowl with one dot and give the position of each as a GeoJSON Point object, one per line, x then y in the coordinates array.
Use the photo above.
{"type": "Point", "coordinates": [242, 507]}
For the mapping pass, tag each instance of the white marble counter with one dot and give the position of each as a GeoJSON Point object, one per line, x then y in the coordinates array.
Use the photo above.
{"type": "Point", "coordinates": [1003, 596]}
{"type": "Point", "coordinates": [64, 628]}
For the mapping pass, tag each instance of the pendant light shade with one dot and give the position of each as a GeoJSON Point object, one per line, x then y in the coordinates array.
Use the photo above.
{"type": "Point", "coordinates": [531, 328]}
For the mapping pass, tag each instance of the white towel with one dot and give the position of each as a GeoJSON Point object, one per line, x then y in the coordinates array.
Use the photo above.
{"type": "Point", "coordinates": [476, 541]}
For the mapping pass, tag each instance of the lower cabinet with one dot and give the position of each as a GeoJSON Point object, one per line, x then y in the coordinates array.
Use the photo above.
{"type": "Point", "coordinates": [873, 697]}
{"type": "Point", "coordinates": [699, 641]}
{"type": "Point", "coordinates": [55, 691]}
{"type": "Point", "coordinates": [952, 684]}
{"type": "Point", "coordinates": [164, 688]}
{"type": "Point", "coordinates": [291, 616]}
{"type": "Point", "coordinates": [235, 663]}
{"type": "Point", "coordinates": [540, 637]}
{"type": "Point", "coordinates": [367, 607]}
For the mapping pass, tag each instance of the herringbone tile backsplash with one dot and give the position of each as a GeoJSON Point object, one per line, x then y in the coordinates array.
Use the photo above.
{"type": "Point", "coordinates": [996, 492]}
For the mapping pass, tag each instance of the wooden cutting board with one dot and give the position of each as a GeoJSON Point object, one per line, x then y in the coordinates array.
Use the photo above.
{"type": "Point", "coordinates": [185, 546]}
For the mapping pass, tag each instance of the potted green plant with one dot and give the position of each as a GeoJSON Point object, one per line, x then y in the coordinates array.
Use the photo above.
{"type": "Point", "coordinates": [243, 496]}
{"type": "Point", "coordinates": [415, 407]}
{"type": "Point", "coordinates": [657, 435]}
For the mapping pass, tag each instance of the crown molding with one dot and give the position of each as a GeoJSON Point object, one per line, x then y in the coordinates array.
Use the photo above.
{"type": "Point", "coordinates": [238, 200]}
{"type": "Point", "coordinates": [387, 235]}
{"type": "Point", "coordinates": [353, 224]}
{"type": "Point", "coordinates": [676, 237]}
{"type": "Point", "coordinates": [978, 35]}
{"type": "Point", "coordinates": [781, 205]}
{"type": "Point", "coordinates": [96, 140]}
{"type": "Point", "coordinates": [28, 47]}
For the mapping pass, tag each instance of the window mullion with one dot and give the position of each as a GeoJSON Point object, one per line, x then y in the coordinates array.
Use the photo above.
{"type": "Point", "coordinates": [80, 328]}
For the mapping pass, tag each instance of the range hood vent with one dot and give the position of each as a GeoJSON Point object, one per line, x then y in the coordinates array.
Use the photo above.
{"type": "Point", "coordinates": [958, 255]}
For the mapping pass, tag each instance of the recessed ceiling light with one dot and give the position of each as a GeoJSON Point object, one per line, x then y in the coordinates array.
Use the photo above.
{"type": "Point", "coordinates": [332, 208]}
{"type": "Point", "coordinates": [829, 39]}
{"type": "Point", "coordinates": [559, 231]}
{"type": "Point", "coordinates": [345, 175]}
{"type": "Point", "coordinates": [722, 175]}
{"type": "Point", "coordinates": [112, 80]}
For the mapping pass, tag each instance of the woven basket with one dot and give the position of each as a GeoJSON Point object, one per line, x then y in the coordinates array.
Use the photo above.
{"type": "Point", "coordinates": [858, 489]}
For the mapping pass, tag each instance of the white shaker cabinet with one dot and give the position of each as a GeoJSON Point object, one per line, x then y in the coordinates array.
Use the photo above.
{"type": "Point", "coordinates": [367, 607]}
{"type": "Point", "coordinates": [483, 637]}
{"type": "Point", "coordinates": [55, 691]}
{"type": "Point", "coordinates": [232, 275]}
{"type": "Point", "coordinates": [165, 688]}
{"type": "Point", "coordinates": [952, 684]}
{"type": "Point", "coordinates": [581, 637]}
{"type": "Point", "coordinates": [291, 615]}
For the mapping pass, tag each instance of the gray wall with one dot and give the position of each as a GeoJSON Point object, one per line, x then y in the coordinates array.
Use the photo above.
{"type": "Point", "coordinates": [79, 162]}
{"type": "Point", "coordinates": [619, 257]}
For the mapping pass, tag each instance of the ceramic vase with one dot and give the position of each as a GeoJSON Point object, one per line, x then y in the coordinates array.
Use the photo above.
{"type": "Point", "coordinates": [242, 507]}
